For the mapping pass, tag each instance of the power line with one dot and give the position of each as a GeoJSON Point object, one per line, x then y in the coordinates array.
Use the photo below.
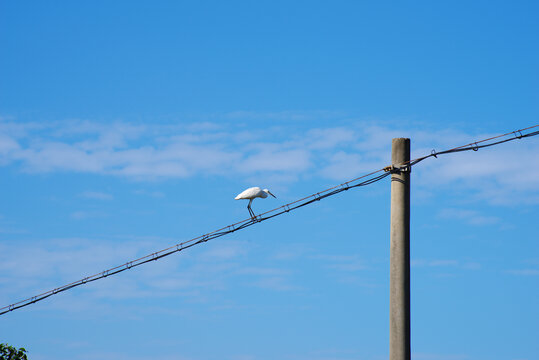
{"type": "Point", "coordinates": [517, 134]}
{"type": "Point", "coordinates": [363, 180]}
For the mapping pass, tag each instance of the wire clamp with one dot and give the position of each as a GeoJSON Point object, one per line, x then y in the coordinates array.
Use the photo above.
{"type": "Point", "coordinates": [398, 169]}
{"type": "Point", "coordinates": [476, 147]}
{"type": "Point", "coordinates": [105, 273]}
{"type": "Point", "coordinates": [345, 186]}
{"type": "Point", "coordinates": [286, 208]}
{"type": "Point", "coordinates": [433, 153]}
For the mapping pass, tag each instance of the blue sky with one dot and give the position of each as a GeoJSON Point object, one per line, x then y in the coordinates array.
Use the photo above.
{"type": "Point", "coordinates": [127, 127]}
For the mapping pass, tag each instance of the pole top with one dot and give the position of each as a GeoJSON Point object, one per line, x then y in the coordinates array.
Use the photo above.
{"type": "Point", "coordinates": [400, 151]}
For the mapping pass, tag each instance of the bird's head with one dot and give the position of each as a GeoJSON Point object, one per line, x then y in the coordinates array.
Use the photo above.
{"type": "Point", "coordinates": [269, 192]}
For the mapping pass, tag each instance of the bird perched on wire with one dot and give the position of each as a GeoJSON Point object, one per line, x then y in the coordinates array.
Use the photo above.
{"type": "Point", "coordinates": [251, 194]}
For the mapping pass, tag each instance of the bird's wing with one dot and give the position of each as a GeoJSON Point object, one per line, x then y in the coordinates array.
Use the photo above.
{"type": "Point", "coordinates": [248, 193]}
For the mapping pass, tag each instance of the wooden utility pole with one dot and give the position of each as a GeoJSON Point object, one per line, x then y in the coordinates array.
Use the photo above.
{"type": "Point", "coordinates": [399, 283]}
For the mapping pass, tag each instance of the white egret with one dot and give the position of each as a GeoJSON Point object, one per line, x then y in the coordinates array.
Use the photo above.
{"type": "Point", "coordinates": [251, 194]}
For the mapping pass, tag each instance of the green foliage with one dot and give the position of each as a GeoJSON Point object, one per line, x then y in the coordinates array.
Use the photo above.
{"type": "Point", "coordinates": [8, 352]}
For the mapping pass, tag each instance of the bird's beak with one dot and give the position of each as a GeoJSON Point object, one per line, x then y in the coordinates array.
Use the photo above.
{"type": "Point", "coordinates": [269, 192]}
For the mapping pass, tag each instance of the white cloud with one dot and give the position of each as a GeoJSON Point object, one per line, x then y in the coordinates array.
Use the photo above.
{"type": "Point", "coordinates": [471, 217]}
{"type": "Point", "coordinates": [261, 271]}
{"type": "Point", "coordinates": [96, 195]}
{"type": "Point", "coordinates": [433, 263]}
{"type": "Point", "coordinates": [154, 194]}
{"type": "Point", "coordinates": [7, 144]}
{"type": "Point", "coordinates": [330, 138]}
{"type": "Point", "coordinates": [81, 215]}
{"type": "Point", "coordinates": [506, 174]}
{"type": "Point", "coordinates": [430, 356]}
{"type": "Point", "coordinates": [343, 166]}
{"type": "Point", "coordinates": [275, 283]}
{"type": "Point", "coordinates": [278, 161]}
{"type": "Point", "coordinates": [524, 272]}
{"type": "Point", "coordinates": [225, 251]}
{"type": "Point", "coordinates": [445, 263]}
{"type": "Point", "coordinates": [53, 263]}
{"type": "Point", "coordinates": [345, 263]}
{"type": "Point", "coordinates": [126, 355]}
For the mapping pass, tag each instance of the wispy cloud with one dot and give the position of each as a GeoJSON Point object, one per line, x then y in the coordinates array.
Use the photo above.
{"type": "Point", "coordinates": [275, 283]}
{"type": "Point", "coordinates": [524, 272]}
{"type": "Point", "coordinates": [52, 263]}
{"type": "Point", "coordinates": [154, 194]}
{"type": "Point", "coordinates": [445, 263]}
{"type": "Point", "coordinates": [81, 215]}
{"type": "Point", "coordinates": [434, 263]}
{"type": "Point", "coordinates": [430, 356]}
{"type": "Point", "coordinates": [471, 217]}
{"type": "Point", "coordinates": [125, 355]}
{"type": "Point", "coordinates": [96, 195]}
{"type": "Point", "coordinates": [506, 174]}
{"type": "Point", "coordinates": [344, 263]}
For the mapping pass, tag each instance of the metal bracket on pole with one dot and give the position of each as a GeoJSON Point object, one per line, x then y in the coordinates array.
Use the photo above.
{"type": "Point", "coordinates": [394, 169]}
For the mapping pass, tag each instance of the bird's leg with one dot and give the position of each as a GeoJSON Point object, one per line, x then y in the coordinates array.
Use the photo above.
{"type": "Point", "coordinates": [251, 212]}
